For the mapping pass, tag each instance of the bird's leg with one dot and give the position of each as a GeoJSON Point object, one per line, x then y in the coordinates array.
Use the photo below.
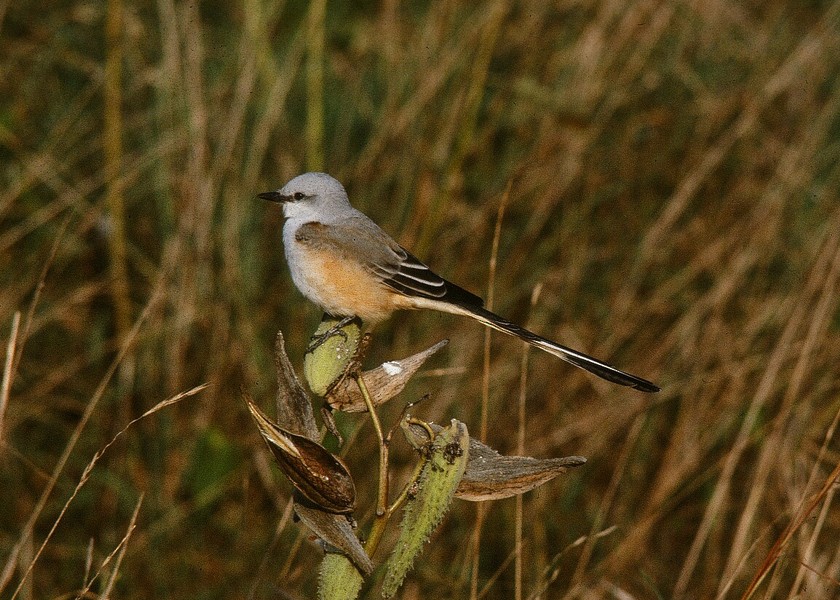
{"type": "Point", "coordinates": [336, 329]}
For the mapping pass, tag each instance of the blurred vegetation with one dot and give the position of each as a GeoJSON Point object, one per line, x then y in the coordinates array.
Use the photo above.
{"type": "Point", "coordinates": [674, 172]}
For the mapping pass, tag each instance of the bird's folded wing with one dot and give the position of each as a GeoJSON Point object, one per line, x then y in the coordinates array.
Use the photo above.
{"type": "Point", "coordinates": [360, 239]}
{"type": "Point", "coordinates": [413, 278]}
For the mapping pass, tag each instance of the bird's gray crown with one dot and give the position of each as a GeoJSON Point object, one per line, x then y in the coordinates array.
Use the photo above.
{"type": "Point", "coordinates": [314, 194]}
{"type": "Point", "coordinates": [314, 184]}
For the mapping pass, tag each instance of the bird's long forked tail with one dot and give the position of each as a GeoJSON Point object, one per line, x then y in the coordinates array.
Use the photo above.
{"type": "Point", "coordinates": [578, 359]}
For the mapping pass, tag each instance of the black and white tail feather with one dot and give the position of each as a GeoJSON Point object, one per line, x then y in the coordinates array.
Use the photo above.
{"type": "Point", "coordinates": [426, 289]}
{"type": "Point", "coordinates": [578, 359]}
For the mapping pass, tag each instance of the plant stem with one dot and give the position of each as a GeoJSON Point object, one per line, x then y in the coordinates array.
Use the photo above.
{"type": "Point", "coordinates": [378, 527]}
{"type": "Point", "coordinates": [382, 494]}
{"type": "Point", "coordinates": [315, 85]}
{"type": "Point", "coordinates": [112, 141]}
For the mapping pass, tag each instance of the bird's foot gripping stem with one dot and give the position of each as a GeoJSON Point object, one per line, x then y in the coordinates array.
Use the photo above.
{"type": "Point", "coordinates": [334, 348]}
{"type": "Point", "coordinates": [338, 329]}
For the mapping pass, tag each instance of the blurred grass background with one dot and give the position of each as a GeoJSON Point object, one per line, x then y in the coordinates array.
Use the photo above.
{"type": "Point", "coordinates": [674, 171]}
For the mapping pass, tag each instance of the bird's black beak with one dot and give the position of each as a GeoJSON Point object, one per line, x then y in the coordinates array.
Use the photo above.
{"type": "Point", "coordinates": [273, 197]}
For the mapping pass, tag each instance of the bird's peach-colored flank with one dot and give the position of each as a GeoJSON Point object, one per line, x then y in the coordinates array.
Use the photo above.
{"type": "Point", "coordinates": [346, 288]}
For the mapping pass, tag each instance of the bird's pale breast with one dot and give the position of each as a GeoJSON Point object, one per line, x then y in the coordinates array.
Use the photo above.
{"type": "Point", "coordinates": [338, 284]}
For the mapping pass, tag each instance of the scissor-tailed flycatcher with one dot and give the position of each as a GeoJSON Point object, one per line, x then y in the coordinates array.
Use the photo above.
{"type": "Point", "coordinates": [343, 262]}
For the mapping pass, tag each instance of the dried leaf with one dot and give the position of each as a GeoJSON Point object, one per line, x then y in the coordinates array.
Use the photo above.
{"type": "Point", "coordinates": [294, 410]}
{"type": "Point", "coordinates": [336, 531]}
{"type": "Point", "coordinates": [491, 476]}
{"type": "Point", "coordinates": [318, 475]}
{"type": "Point", "coordinates": [383, 382]}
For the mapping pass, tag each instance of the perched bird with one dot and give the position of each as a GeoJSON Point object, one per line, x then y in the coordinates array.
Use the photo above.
{"type": "Point", "coordinates": [343, 262]}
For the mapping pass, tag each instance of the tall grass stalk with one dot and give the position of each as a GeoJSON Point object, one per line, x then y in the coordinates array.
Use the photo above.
{"type": "Point", "coordinates": [112, 138]}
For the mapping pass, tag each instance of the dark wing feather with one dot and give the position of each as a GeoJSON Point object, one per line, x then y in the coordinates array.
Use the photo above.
{"type": "Point", "coordinates": [412, 277]}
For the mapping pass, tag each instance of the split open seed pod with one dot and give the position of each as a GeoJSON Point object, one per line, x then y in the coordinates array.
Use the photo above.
{"type": "Point", "coordinates": [383, 382]}
{"type": "Point", "coordinates": [490, 475]}
{"type": "Point", "coordinates": [320, 476]}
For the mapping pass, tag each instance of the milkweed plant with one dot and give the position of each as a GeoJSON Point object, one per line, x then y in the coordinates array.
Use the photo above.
{"type": "Point", "coordinates": [450, 463]}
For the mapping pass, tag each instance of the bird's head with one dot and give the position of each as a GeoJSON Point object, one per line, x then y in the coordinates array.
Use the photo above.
{"type": "Point", "coordinates": [315, 196]}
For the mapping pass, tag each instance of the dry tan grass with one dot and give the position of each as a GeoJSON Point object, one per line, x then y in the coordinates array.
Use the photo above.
{"type": "Point", "coordinates": [674, 175]}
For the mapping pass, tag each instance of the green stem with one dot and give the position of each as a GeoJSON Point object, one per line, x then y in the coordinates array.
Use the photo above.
{"type": "Point", "coordinates": [112, 142]}
{"type": "Point", "coordinates": [315, 85]}
{"type": "Point", "coordinates": [378, 527]}
{"type": "Point", "coordinates": [382, 494]}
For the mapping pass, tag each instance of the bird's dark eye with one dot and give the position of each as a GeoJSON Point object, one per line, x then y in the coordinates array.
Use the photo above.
{"type": "Point", "coordinates": [299, 196]}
